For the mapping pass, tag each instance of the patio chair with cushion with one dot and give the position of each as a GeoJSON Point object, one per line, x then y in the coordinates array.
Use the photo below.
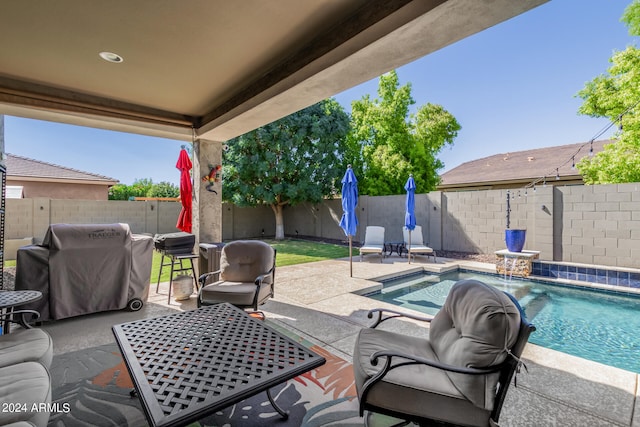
{"type": "Point", "coordinates": [246, 276]}
{"type": "Point", "coordinates": [373, 241]}
{"type": "Point", "coordinates": [26, 345]}
{"type": "Point", "coordinates": [417, 245]}
{"type": "Point", "coordinates": [458, 373]}
{"type": "Point", "coordinates": [25, 356]}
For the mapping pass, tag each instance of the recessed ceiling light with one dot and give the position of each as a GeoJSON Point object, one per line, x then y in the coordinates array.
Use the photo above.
{"type": "Point", "coordinates": [111, 57]}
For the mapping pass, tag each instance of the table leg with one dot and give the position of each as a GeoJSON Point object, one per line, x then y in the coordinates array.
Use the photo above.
{"type": "Point", "coordinates": [160, 273]}
{"type": "Point", "coordinates": [284, 414]}
{"type": "Point", "coordinates": [170, 281]}
{"type": "Point", "coordinates": [193, 273]}
{"type": "Point", "coordinates": [6, 325]}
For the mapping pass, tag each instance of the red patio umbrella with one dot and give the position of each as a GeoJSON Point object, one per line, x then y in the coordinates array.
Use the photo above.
{"type": "Point", "coordinates": [186, 190]}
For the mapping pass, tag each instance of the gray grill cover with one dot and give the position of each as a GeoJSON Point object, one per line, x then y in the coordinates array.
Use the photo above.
{"type": "Point", "coordinates": [85, 268]}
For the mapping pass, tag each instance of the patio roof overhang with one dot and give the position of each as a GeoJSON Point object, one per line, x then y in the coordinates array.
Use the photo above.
{"type": "Point", "coordinates": [223, 68]}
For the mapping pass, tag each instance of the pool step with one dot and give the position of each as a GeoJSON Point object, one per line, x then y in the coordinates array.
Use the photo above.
{"type": "Point", "coordinates": [408, 281]}
{"type": "Point", "coordinates": [535, 304]}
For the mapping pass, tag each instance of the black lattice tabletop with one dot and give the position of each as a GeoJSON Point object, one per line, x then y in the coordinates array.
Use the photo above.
{"type": "Point", "coordinates": [16, 298]}
{"type": "Point", "coordinates": [190, 364]}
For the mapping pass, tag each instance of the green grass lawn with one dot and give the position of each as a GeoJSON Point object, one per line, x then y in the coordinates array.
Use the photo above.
{"type": "Point", "coordinates": [292, 251]}
{"type": "Point", "coordinates": [289, 252]}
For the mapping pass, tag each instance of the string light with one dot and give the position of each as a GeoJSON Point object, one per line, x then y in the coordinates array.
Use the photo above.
{"type": "Point", "coordinates": [572, 158]}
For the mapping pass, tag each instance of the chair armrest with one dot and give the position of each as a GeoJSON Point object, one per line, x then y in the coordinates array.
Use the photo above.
{"type": "Point", "coordinates": [415, 360]}
{"type": "Point", "coordinates": [203, 277]}
{"type": "Point", "coordinates": [394, 314]}
{"type": "Point", "coordinates": [407, 359]}
{"type": "Point", "coordinates": [22, 320]}
{"type": "Point", "coordinates": [261, 277]}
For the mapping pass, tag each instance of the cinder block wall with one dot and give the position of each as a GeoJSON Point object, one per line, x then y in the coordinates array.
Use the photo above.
{"type": "Point", "coordinates": [31, 217]}
{"type": "Point", "coordinates": [600, 224]}
{"type": "Point", "coordinates": [585, 224]}
{"type": "Point", "coordinates": [475, 221]}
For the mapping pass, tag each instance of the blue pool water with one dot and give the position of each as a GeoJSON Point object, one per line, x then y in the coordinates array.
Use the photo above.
{"type": "Point", "coordinates": [595, 325]}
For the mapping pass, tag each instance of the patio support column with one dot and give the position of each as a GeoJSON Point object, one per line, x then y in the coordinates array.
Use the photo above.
{"type": "Point", "coordinates": [207, 201]}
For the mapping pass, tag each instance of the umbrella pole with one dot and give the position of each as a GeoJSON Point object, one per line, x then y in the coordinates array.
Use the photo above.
{"type": "Point", "coordinates": [350, 259]}
{"type": "Point", "coordinates": [409, 248]}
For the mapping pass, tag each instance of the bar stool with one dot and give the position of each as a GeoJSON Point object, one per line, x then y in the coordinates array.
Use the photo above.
{"type": "Point", "coordinates": [177, 263]}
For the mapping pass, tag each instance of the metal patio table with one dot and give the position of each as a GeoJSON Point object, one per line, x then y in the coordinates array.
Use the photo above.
{"type": "Point", "coordinates": [11, 299]}
{"type": "Point", "coordinates": [188, 365]}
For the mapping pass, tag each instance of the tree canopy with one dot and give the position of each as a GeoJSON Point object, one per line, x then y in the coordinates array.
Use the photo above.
{"type": "Point", "coordinates": [143, 188]}
{"type": "Point", "coordinates": [387, 143]}
{"type": "Point", "coordinates": [299, 158]}
{"type": "Point", "coordinates": [616, 95]}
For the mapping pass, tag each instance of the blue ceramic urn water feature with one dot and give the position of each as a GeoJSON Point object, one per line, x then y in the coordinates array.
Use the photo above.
{"type": "Point", "coordinates": [515, 239]}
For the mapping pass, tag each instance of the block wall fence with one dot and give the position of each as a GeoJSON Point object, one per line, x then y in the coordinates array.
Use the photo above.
{"type": "Point", "coordinates": [597, 224]}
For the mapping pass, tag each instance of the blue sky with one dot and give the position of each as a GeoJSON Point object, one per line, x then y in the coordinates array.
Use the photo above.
{"type": "Point", "coordinates": [511, 87]}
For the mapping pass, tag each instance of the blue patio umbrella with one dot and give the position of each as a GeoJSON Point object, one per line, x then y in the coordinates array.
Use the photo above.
{"type": "Point", "coordinates": [349, 221]}
{"type": "Point", "coordinates": [410, 215]}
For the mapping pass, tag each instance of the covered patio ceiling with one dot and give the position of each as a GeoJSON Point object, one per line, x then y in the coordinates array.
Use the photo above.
{"type": "Point", "coordinates": [221, 67]}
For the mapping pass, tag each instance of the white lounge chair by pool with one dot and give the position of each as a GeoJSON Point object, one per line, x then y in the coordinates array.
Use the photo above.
{"type": "Point", "coordinates": [373, 241]}
{"type": "Point", "coordinates": [417, 245]}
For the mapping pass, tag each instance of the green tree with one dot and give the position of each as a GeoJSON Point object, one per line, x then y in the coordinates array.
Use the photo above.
{"type": "Point", "coordinates": [119, 192]}
{"type": "Point", "coordinates": [615, 95]}
{"type": "Point", "coordinates": [143, 188]}
{"type": "Point", "coordinates": [299, 158]}
{"type": "Point", "coordinates": [164, 189]}
{"type": "Point", "coordinates": [386, 143]}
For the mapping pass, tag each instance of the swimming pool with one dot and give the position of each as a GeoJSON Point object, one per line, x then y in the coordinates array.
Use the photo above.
{"type": "Point", "coordinates": [595, 325]}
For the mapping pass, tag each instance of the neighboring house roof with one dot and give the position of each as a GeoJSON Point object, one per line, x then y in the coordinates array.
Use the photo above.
{"type": "Point", "coordinates": [521, 167]}
{"type": "Point", "coordinates": [23, 168]}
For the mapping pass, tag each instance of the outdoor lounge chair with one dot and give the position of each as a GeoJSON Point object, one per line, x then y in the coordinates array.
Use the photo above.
{"type": "Point", "coordinates": [417, 245]}
{"type": "Point", "coordinates": [373, 241]}
{"type": "Point", "coordinates": [25, 358]}
{"type": "Point", "coordinates": [246, 276]}
{"type": "Point", "coordinates": [24, 345]}
{"type": "Point", "coordinates": [458, 374]}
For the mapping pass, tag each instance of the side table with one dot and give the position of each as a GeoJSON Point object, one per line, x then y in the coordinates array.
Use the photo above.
{"type": "Point", "coordinates": [177, 263]}
{"type": "Point", "coordinates": [391, 247]}
{"type": "Point", "coordinates": [11, 299]}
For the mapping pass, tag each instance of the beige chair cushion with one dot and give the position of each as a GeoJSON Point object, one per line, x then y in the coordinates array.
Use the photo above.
{"type": "Point", "coordinates": [237, 293]}
{"type": "Point", "coordinates": [26, 345]}
{"type": "Point", "coordinates": [244, 260]}
{"type": "Point", "coordinates": [27, 384]}
{"type": "Point", "coordinates": [241, 262]}
{"type": "Point", "coordinates": [474, 327]}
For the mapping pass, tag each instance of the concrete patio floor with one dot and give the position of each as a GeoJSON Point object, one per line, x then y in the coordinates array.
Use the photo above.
{"type": "Point", "coordinates": [321, 302]}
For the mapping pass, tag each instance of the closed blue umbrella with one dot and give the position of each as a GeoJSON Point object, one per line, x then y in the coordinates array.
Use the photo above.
{"type": "Point", "coordinates": [410, 215]}
{"type": "Point", "coordinates": [349, 221]}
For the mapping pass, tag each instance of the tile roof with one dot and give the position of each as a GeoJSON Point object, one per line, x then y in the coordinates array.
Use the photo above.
{"type": "Point", "coordinates": [18, 166]}
{"type": "Point", "coordinates": [525, 165]}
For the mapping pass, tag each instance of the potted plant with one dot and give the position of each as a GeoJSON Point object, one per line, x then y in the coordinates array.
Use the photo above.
{"type": "Point", "coordinates": [514, 238]}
